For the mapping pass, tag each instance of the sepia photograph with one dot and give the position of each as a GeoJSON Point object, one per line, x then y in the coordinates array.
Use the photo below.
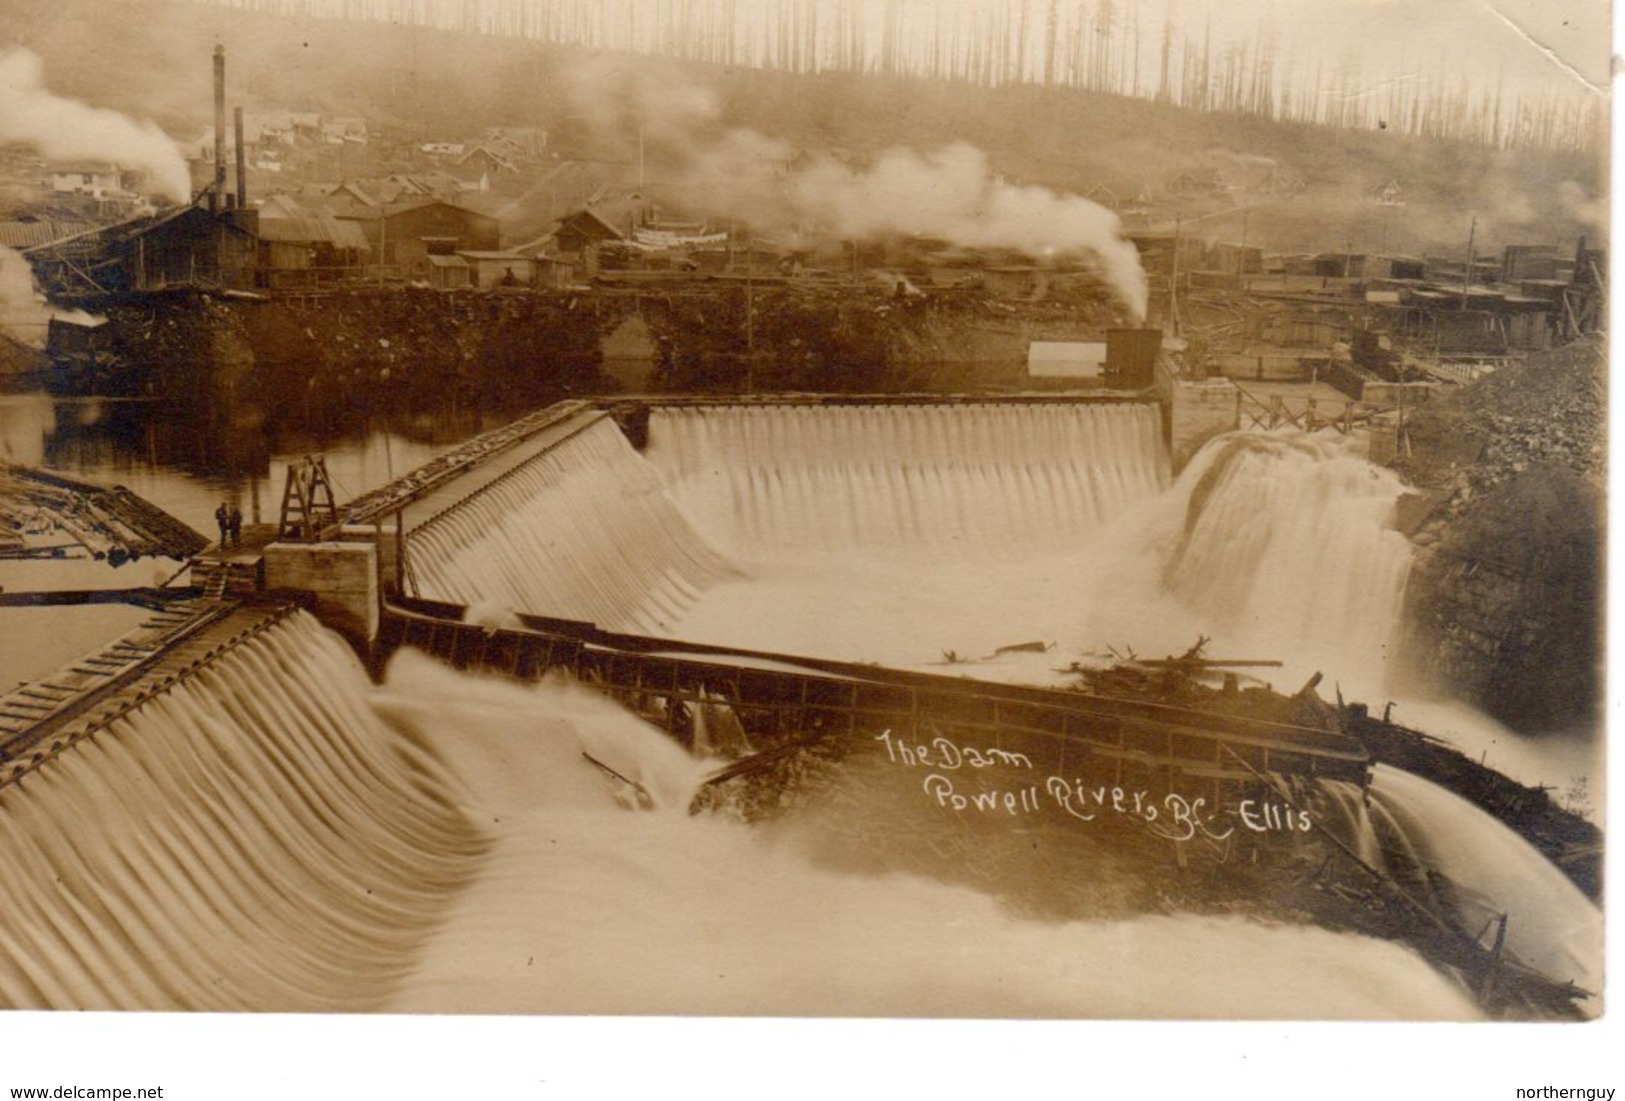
{"type": "Point", "coordinates": [1043, 513]}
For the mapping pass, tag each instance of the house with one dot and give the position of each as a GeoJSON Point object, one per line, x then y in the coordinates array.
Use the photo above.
{"type": "Point", "coordinates": [97, 179]}
{"type": "Point", "coordinates": [436, 184]}
{"type": "Point", "coordinates": [492, 156]}
{"type": "Point", "coordinates": [1522, 262]}
{"type": "Point", "coordinates": [352, 130]}
{"type": "Point", "coordinates": [30, 231]}
{"type": "Point", "coordinates": [266, 128]}
{"type": "Point", "coordinates": [403, 234]}
{"type": "Point", "coordinates": [443, 148]}
{"type": "Point", "coordinates": [625, 208]}
{"type": "Point", "coordinates": [1103, 196]}
{"type": "Point", "coordinates": [1275, 180]}
{"type": "Point", "coordinates": [585, 229]}
{"type": "Point", "coordinates": [528, 142]}
{"type": "Point", "coordinates": [498, 269]}
{"type": "Point", "coordinates": [348, 197]}
{"type": "Point", "coordinates": [553, 272]}
{"type": "Point", "coordinates": [1241, 259]}
{"type": "Point", "coordinates": [1388, 194]}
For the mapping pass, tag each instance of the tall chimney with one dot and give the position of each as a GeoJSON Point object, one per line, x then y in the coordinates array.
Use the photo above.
{"type": "Point", "coordinates": [242, 159]}
{"type": "Point", "coordinates": [217, 196]}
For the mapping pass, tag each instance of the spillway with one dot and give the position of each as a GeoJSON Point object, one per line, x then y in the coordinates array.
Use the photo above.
{"type": "Point", "coordinates": [252, 838]}
{"type": "Point", "coordinates": [899, 533]}
{"type": "Point", "coordinates": [287, 835]}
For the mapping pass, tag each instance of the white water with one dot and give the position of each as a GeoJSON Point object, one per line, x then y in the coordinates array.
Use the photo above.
{"type": "Point", "coordinates": [275, 834]}
{"type": "Point", "coordinates": [924, 482]}
{"type": "Point", "coordinates": [1551, 925]}
{"type": "Point", "coordinates": [284, 837]}
{"type": "Point", "coordinates": [252, 839]}
{"type": "Point", "coordinates": [584, 908]}
{"type": "Point", "coordinates": [583, 532]}
{"type": "Point", "coordinates": [1037, 524]}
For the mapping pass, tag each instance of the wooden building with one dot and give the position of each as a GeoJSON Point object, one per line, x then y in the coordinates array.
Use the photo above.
{"type": "Point", "coordinates": [304, 251]}
{"type": "Point", "coordinates": [402, 235]}
{"type": "Point", "coordinates": [191, 248]}
{"type": "Point", "coordinates": [498, 269]}
{"type": "Point", "coordinates": [585, 229]}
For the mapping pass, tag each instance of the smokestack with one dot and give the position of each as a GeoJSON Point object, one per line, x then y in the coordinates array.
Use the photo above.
{"type": "Point", "coordinates": [216, 197]}
{"type": "Point", "coordinates": [242, 159]}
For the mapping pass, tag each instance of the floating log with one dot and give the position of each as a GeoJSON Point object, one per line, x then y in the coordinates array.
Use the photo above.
{"type": "Point", "coordinates": [113, 524]}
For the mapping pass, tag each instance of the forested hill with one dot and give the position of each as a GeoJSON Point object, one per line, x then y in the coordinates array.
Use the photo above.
{"type": "Point", "coordinates": [151, 58]}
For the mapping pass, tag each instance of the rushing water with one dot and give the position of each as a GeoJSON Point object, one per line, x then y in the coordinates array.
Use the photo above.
{"type": "Point", "coordinates": [947, 530]}
{"type": "Point", "coordinates": [453, 850]}
{"type": "Point", "coordinates": [441, 844]}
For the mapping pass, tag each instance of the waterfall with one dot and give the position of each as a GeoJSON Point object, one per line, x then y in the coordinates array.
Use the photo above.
{"type": "Point", "coordinates": [1287, 548]}
{"type": "Point", "coordinates": [252, 839]}
{"type": "Point", "coordinates": [583, 531]}
{"type": "Point", "coordinates": [926, 481]}
{"type": "Point", "coordinates": [1551, 925]}
{"type": "Point", "coordinates": [275, 834]}
{"type": "Point", "coordinates": [584, 908]}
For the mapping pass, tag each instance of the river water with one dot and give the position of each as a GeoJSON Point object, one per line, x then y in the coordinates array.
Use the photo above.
{"type": "Point", "coordinates": [511, 879]}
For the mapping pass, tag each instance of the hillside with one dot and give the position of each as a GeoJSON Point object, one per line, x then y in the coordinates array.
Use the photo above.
{"type": "Point", "coordinates": [1515, 623]}
{"type": "Point", "coordinates": [152, 59]}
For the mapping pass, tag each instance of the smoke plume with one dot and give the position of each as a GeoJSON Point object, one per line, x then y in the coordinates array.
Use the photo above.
{"type": "Point", "coordinates": [65, 129]}
{"type": "Point", "coordinates": [951, 194]}
{"type": "Point", "coordinates": [23, 312]}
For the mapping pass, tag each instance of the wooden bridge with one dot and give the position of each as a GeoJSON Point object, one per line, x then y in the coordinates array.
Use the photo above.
{"type": "Point", "coordinates": [779, 698]}
{"type": "Point", "coordinates": [44, 718]}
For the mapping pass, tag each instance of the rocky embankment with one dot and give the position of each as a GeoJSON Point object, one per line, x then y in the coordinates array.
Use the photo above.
{"type": "Point", "coordinates": [394, 348]}
{"type": "Point", "coordinates": [1506, 600]}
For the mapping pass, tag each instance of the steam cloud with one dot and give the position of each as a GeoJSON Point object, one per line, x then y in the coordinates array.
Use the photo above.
{"type": "Point", "coordinates": [65, 129]}
{"type": "Point", "coordinates": [23, 313]}
{"type": "Point", "coordinates": [951, 194]}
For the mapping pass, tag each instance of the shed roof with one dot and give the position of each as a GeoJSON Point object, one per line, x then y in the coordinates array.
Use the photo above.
{"type": "Point", "coordinates": [29, 232]}
{"type": "Point", "coordinates": [313, 228]}
{"type": "Point", "coordinates": [452, 261]}
{"type": "Point", "coordinates": [589, 221]}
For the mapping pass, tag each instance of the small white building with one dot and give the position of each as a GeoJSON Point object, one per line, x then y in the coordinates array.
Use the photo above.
{"type": "Point", "coordinates": [99, 180]}
{"type": "Point", "coordinates": [1079, 360]}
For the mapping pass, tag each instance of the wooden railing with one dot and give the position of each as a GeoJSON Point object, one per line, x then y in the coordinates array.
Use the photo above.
{"type": "Point", "coordinates": [779, 698]}
{"type": "Point", "coordinates": [1306, 413]}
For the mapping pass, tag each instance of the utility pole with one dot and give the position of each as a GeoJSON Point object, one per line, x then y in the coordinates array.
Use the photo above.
{"type": "Point", "coordinates": [1467, 276]}
{"type": "Point", "coordinates": [1173, 278]}
{"type": "Point", "coordinates": [750, 315]}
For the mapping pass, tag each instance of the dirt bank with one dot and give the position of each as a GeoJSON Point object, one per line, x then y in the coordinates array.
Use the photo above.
{"type": "Point", "coordinates": [1505, 604]}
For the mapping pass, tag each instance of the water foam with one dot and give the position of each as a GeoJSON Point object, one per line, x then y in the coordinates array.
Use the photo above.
{"type": "Point", "coordinates": [585, 908]}
{"type": "Point", "coordinates": [583, 531]}
{"type": "Point", "coordinates": [926, 481]}
{"type": "Point", "coordinates": [251, 839]}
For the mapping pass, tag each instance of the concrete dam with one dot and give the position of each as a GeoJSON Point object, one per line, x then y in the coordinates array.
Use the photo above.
{"type": "Point", "coordinates": [671, 607]}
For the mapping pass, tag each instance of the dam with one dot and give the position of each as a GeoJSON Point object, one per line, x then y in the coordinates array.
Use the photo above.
{"type": "Point", "coordinates": [717, 613]}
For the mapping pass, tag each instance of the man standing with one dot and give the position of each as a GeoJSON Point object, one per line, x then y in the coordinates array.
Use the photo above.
{"type": "Point", "coordinates": [234, 525]}
{"type": "Point", "coordinates": [222, 517]}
